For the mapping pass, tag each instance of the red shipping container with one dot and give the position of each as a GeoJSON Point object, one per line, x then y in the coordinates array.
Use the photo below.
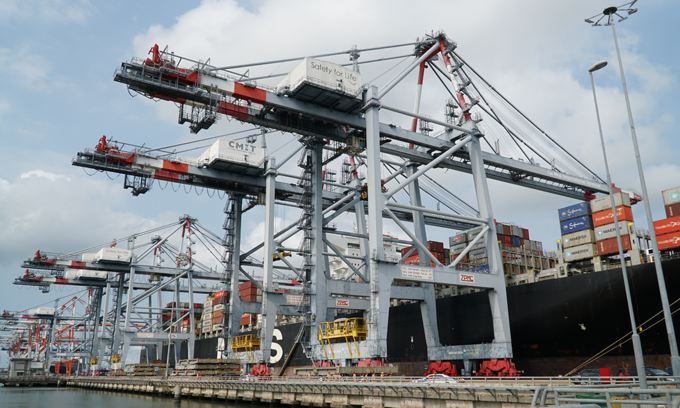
{"type": "Point", "coordinates": [607, 216]}
{"type": "Point", "coordinates": [249, 291]}
{"type": "Point", "coordinates": [507, 239]}
{"type": "Point", "coordinates": [217, 320]}
{"type": "Point", "coordinates": [507, 230]}
{"type": "Point", "coordinates": [610, 246]}
{"type": "Point", "coordinates": [246, 319]}
{"type": "Point", "coordinates": [247, 285]}
{"type": "Point", "coordinates": [249, 298]}
{"type": "Point", "coordinates": [668, 241]}
{"type": "Point", "coordinates": [667, 225]}
{"type": "Point", "coordinates": [673, 210]}
{"type": "Point", "coordinates": [464, 259]}
{"type": "Point", "coordinates": [525, 233]}
{"type": "Point", "coordinates": [435, 246]}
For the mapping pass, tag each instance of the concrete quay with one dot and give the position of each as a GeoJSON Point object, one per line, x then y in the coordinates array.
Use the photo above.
{"type": "Point", "coordinates": [327, 393]}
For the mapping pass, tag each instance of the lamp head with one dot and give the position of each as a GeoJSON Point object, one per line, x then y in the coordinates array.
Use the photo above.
{"type": "Point", "coordinates": [597, 66]}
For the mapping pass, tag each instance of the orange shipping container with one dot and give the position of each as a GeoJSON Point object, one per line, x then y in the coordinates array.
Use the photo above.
{"type": "Point", "coordinates": [607, 216]}
{"type": "Point", "coordinates": [667, 226]}
{"type": "Point", "coordinates": [668, 241]}
{"type": "Point", "coordinates": [611, 246]}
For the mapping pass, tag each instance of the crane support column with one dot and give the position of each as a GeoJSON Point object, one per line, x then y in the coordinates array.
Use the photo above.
{"type": "Point", "coordinates": [379, 299]}
{"type": "Point", "coordinates": [318, 278]}
{"type": "Point", "coordinates": [268, 298]}
{"type": "Point", "coordinates": [192, 327]}
{"type": "Point", "coordinates": [497, 296]}
{"type": "Point", "coordinates": [234, 299]}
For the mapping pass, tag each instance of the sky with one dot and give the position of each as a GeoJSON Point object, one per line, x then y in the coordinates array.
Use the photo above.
{"type": "Point", "coordinates": [58, 97]}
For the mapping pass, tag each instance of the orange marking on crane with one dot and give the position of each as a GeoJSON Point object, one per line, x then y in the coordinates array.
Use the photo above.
{"type": "Point", "coordinates": [175, 167]}
{"type": "Point", "coordinates": [252, 94]}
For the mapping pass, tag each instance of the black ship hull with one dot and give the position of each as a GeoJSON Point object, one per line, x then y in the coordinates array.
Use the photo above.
{"type": "Point", "coordinates": [555, 324]}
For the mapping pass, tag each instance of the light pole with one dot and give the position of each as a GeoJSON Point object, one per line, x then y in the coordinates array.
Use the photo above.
{"type": "Point", "coordinates": [609, 13]}
{"type": "Point", "coordinates": [637, 347]}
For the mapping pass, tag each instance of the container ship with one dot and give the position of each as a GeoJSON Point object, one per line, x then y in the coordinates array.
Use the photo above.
{"type": "Point", "coordinates": [565, 306]}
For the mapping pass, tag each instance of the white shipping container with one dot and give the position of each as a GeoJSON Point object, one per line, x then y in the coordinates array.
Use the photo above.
{"type": "Point", "coordinates": [458, 248]}
{"type": "Point", "coordinates": [609, 231]}
{"type": "Point", "coordinates": [323, 74]}
{"type": "Point", "coordinates": [515, 231]}
{"type": "Point", "coordinates": [580, 252]}
{"type": "Point", "coordinates": [499, 229]}
{"type": "Point", "coordinates": [578, 238]}
{"type": "Point", "coordinates": [208, 304]}
{"type": "Point", "coordinates": [478, 253]}
{"type": "Point", "coordinates": [217, 308]}
{"type": "Point", "coordinates": [89, 257]}
{"type": "Point", "coordinates": [605, 203]}
{"type": "Point", "coordinates": [113, 255]}
{"type": "Point", "coordinates": [539, 246]}
{"type": "Point", "coordinates": [233, 151]}
{"type": "Point", "coordinates": [671, 196]}
{"type": "Point", "coordinates": [42, 311]}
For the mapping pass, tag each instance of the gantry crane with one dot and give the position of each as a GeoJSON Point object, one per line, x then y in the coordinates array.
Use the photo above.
{"type": "Point", "coordinates": [342, 115]}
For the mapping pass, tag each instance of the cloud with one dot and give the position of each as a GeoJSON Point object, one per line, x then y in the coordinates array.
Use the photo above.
{"type": "Point", "coordinates": [29, 69]}
{"type": "Point", "coordinates": [52, 11]}
{"type": "Point", "coordinates": [44, 174]}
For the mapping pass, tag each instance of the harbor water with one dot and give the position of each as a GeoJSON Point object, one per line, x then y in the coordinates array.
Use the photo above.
{"type": "Point", "coordinates": [28, 397]}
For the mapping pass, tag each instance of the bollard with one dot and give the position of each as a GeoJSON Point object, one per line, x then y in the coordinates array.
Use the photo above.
{"type": "Point", "coordinates": [178, 393]}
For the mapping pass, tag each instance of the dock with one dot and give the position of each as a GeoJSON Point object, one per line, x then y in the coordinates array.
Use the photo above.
{"type": "Point", "coordinates": [32, 381]}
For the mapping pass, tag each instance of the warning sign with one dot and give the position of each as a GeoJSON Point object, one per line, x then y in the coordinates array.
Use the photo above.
{"type": "Point", "coordinates": [414, 272]}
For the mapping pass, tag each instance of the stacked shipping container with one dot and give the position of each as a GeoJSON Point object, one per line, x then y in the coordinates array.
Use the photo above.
{"type": "Point", "coordinates": [519, 253]}
{"type": "Point", "coordinates": [576, 224]}
{"type": "Point", "coordinates": [668, 230]}
{"type": "Point", "coordinates": [603, 220]}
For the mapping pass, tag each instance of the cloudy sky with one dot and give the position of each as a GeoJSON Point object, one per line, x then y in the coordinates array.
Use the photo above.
{"type": "Point", "coordinates": [58, 97]}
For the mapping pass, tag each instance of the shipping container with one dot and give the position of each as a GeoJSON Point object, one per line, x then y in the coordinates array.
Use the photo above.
{"type": "Point", "coordinates": [457, 239]}
{"type": "Point", "coordinates": [667, 226]}
{"type": "Point", "coordinates": [218, 307]}
{"type": "Point", "coordinates": [671, 196]}
{"type": "Point", "coordinates": [668, 241]}
{"type": "Point", "coordinates": [576, 224]}
{"type": "Point", "coordinates": [507, 240]}
{"type": "Point", "coordinates": [499, 229]}
{"type": "Point", "coordinates": [322, 74]}
{"type": "Point", "coordinates": [609, 231]}
{"type": "Point", "coordinates": [233, 151]}
{"type": "Point", "coordinates": [607, 216]}
{"type": "Point", "coordinates": [514, 241]}
{"type": "Point", "coordinates": [478, 253]}
{"type": "Point", "coordinates": [621, 199]}
{"type": "Point", "coordinates": [672, 210]}
{"type": "Point", "coordinates": [525, 233]}
{"type": "Point", "coordinates": [574, 211]}
{"type": "Point", "coordinates": [515, 231]}
{"type": "Point", "coordinates": [539, 246]}
{"type": "Point", "coordinates": [507, 230]}
{"type": "Point", "coordinates": [580, 252]}
{"type": "Point", "coordinates": [113, 255]}
{"type": "Point", "coordinates": [466, 258]}
{"type": "Point", "coordinates": [578, 238]}
{"type": "Point", "coordinates": [472, 233]}
{"type": "Point", "coordinates": [458, 248]}
{"type": "Point", "coordinates": [610, 246]}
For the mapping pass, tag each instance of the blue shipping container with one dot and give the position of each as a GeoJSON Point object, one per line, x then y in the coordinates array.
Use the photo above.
{"type": "Point", "coordinates": [574, 211]}
{"type": "Point", "coordinates": [577, 224]}
{"type": "Point", "coordinates": [480, 269]}
{"type": "Point", "coordinates": [514, 241]}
